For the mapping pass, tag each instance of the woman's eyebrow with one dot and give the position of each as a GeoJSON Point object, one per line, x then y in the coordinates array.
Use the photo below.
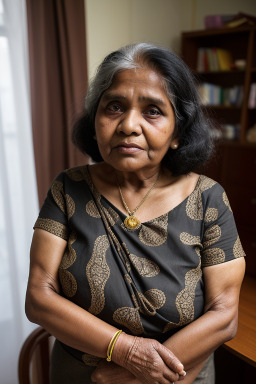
{"type": "Point", "coordinates": [113, 96]}
{"type": "Point", "coordinates": [153, 100]}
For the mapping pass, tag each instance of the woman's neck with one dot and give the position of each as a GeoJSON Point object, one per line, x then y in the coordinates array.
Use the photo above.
{"type": "Point", "coordinates": [142, 179]}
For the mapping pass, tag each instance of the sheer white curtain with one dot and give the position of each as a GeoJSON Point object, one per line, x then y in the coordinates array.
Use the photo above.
{"type": "Point", "coordinates": [18, 194]}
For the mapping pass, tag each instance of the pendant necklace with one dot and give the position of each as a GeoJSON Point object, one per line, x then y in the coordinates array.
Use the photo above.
{"type": "Point", "coordinates": [131, 222]}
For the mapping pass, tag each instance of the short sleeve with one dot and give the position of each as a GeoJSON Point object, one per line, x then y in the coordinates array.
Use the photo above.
{"type": "Point", "coordinates": [53, 216]}
{"type": "Point", "coordinates": [221, 241]}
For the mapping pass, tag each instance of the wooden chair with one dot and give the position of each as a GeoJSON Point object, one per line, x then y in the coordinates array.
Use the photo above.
{"type": "Point", "coordinates": [34, 358]}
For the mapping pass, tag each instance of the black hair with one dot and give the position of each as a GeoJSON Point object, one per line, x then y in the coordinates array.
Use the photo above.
{"type": "Point", "coordinates": [193, 128]}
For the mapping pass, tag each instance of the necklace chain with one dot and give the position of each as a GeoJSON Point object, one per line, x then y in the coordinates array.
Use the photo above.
{"type": "Point", "coordinates": [131, 213]}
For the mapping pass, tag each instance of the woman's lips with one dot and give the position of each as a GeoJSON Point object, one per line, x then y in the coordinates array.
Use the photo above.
{"type": "Point", "coordinates": [128, 148]}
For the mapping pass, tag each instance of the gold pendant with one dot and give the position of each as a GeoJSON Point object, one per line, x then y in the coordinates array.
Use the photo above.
{"type": "Point", "coordinates": [132, 223]}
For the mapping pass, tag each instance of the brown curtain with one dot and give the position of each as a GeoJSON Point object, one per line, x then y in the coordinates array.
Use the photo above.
{"type": "Point", "coordinates": [58, 78]}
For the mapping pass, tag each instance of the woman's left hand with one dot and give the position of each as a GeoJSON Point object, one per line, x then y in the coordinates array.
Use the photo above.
{"type": "Point", "coordinates": [111, 373]}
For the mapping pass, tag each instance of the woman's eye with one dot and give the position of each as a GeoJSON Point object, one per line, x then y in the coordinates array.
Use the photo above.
{"type": "Point", "coordinates": [114, 108]}
{"type": "Point", "coordinates": [153, 111]}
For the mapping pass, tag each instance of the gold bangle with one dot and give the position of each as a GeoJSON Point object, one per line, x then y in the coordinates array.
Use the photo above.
{"type": "Point", "coordinates": [112, 344]}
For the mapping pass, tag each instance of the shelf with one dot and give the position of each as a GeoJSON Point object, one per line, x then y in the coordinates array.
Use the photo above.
{"type": "Point", "coordinates": [225, 143]}
{"type": "Point", "coordinates": [240, 42]}
{"type": "Point", "coordinates": [226, 79]}
{"type": "Point", "coordinates": [224, 107]}
{"type": "Point", "coordinates": [219, 31]}
{"type": "Point", "coordinates": [221, 73]}
{"type": "Point", "coordinates": [236, 143]}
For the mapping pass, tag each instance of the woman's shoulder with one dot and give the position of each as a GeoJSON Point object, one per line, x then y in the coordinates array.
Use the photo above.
{"type": "Point", "coordinates": [196, 184]}
{"type": "Point", "coordinates": [206, 183]}
{"type": "Point", "coordinates": [212, 192]}
{"type": "Point", "coordinates": [79, 173]}
{"type": "Point", "coordinates": [70, 179]}
{"type": "Point", "coordinates": [75, 174]}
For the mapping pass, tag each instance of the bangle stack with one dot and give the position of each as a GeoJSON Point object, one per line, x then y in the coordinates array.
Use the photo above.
{"type": "Point", "coordinates": [112, 344]}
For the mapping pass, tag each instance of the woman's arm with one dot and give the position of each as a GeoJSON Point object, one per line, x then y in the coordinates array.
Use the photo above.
{"type": "Point", "coordinates": [78, 328]}
{"type": "Point", "coordinates": [195, 342]}
{"type": "Point", "coordinates": [44, 306]}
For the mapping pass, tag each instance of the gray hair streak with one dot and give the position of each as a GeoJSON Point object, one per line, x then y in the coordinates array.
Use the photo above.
{"type": "Point", "coordinates": [128, 57]}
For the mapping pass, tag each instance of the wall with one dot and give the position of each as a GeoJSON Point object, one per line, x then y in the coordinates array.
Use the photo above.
{"type": "Point", "coordinates": [113, 23]}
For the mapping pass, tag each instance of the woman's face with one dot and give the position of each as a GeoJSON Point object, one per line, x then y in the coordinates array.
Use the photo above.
{"type": "Point", "coordinates": [134, 122]}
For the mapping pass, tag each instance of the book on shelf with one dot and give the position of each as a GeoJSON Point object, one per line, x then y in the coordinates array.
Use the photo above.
{"type": "Point", "coordinates": [225, 59]}
{"type": "Point", "coordinates": [230, 131]}
{"type": "Point", "coordinates": [252, 96]}
{"type": "Point", "coordinates": [241, 19]}
{"type": "Point", "coordinates": [214, 95]}
{"type": "Point", "coordinates": [214, 59]}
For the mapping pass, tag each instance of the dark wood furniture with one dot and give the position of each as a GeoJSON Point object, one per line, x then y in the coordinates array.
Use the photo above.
{"type": "Point", "coordinates": [234, 167]}
{"type": "Point", "coordinates": [244, 344]}
{"type": "Point", "coordinates": [241, 43]}
{"type": "Point", "coordinates": [34, 358]}
{"type": "Point", "coordinates": [235, 361]}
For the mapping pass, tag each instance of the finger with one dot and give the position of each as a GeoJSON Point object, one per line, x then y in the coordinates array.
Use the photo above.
{"type": "Point", "coordinates": [163, 375]}
{"type": "Point", "coordinates": [170, 359]}
{"type": "Point", "coordinates": [166, 381]}
{"type": "Point", "coordinates": [182, 377]}
{"type": "Point", "coordinates": [170, 376]}
{"type": "Point", "coordinates": [95, 376]}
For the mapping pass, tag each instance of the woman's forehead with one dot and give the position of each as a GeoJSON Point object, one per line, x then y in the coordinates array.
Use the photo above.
{"type": "Point", "coordinates": [140, 74]}
{"type": "Point", "coordinates": [142, 80]}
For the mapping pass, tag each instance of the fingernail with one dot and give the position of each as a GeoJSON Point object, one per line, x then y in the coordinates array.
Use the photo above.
{"type": "Point", "coordinates": [181, 366]}
{"type": "Point", "coordinates": [183, 373]}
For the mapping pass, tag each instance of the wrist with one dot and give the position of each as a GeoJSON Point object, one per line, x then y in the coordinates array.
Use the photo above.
{"type": "Point", "coordinates": [122, 348]}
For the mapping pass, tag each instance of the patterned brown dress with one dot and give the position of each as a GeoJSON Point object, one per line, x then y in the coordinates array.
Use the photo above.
{"type": "Point", "coordinates": [147, 282]}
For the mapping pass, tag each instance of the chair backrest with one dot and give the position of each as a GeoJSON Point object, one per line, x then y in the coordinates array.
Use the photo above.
{"type": "Point", "coordinates": [34, 358]}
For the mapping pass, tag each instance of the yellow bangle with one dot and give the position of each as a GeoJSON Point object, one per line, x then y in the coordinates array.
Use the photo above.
{"type": "Point", "coordinates": [112, 344]}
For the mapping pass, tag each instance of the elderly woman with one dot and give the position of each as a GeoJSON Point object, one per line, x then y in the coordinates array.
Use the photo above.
{"type": "Point", "coordinates": [137, 242]}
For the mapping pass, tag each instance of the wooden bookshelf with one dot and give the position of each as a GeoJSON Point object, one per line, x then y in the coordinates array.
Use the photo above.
{"type": "Point", "coordinates": [234, 167]}
{"type": "Point", "coordinates": [241, 43]}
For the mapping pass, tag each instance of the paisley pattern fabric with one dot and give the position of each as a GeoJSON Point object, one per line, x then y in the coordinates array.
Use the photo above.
{"type": "Point", "coordinates": [149, 281]}
{"type": "Point", "coordinates": [97, 272]}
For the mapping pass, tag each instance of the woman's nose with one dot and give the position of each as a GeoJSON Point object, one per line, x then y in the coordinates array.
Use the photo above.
{"type": "Point", "coordinates": [130, 123]}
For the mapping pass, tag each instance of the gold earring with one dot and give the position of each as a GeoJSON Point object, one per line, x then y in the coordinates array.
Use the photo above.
{"type": "Point", "coordinates": [174, 146]}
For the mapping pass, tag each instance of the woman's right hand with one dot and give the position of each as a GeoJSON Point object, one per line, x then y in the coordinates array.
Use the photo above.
{"type": "Point", "coordinates": [148, 360]}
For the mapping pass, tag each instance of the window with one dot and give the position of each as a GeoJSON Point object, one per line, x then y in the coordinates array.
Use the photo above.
{"type": "Point", "coordinates": [18, 196]}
